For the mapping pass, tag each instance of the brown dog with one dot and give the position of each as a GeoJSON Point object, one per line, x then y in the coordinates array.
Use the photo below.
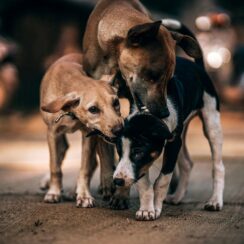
{"type": "Point", "coordinates": [72, 101]}
{"type": "Point", "coordinates": [121, 35]}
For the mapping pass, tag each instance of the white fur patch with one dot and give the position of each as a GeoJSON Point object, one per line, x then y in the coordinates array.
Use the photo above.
{"type": "Point", "coordinates": [171, 23]}
{"type": "Point", "coordinates": [161, 186]}
{"type": "Point", "coordinates": [172, 120]}
{"type": "Point", "coordinates": [212, 123]}
{"type": "Point", "coordinates": [124, 169]}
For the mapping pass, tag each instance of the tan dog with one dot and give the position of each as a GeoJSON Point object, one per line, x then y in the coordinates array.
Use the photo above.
{"type": "Point", "coordinates": [72, 101]}
{"type": "Point", "coordinates": [121, 35]}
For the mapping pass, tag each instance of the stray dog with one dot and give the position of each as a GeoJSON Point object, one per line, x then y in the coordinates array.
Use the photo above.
{"type": "Point", "coordinates": [71, 101]}
{"type": "Point", "coordinates": [121, 36]}
{"type": "Point", "coordinates": [190, 92]}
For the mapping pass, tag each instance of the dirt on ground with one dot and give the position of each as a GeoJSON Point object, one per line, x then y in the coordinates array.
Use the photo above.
{"type": "Point", "coordinates": [24, 218]}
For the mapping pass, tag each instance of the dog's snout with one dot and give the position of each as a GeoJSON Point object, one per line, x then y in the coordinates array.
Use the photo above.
{"type": "Point", "coordinates": [117, 130]}
{"type": "Point", "coordinates": [119, 182]}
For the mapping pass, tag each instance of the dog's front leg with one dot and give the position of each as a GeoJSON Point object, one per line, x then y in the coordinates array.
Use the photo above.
{"type": "Point", "coordinates": [160, 191]}
{"type": "Point", "coordinates": [88, 166]}
{"type": "Point", "coordinates": [107, 158]}
{"type": "Point", "coordinates": [161, 185]}
{"type": "Point", "coordinates": [57, 148]}
{"type": "Point", "coordinates": [120, 198]}
{"type": "Point", "coordinates": [146, 211]}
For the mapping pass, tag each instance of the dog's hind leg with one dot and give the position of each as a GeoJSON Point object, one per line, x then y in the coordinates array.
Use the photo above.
{"type": "Point", "coordinates": [58, 146]}
{"type": "Point", "coordinates": [84, 198]}
{"type": "Point", "coordinates": [213, 132]}
{"type": "Point", "coordinates": [185, 165]}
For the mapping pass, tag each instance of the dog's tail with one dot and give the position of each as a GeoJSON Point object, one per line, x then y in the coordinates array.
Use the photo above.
{"type": "Point", "coordinates": [175, 25]}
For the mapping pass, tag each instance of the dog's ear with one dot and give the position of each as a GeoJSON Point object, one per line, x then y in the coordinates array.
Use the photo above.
{"type": "Point", "coordinates": [143, 34]}
{"type": "Point", "coordinates": [65, 102]}
{"type": "Point", "coordinates": [160, 132]}
{"type": "Point", "coordinates": [188, 44]}
{"type": "Point", "coordinates": [149, 126]}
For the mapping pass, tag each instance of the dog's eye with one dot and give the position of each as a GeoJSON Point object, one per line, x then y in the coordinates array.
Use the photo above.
{"type": "Point", "coordinates": [116, 104]}
{"type": "Point", "coordinates": [94, 110]}
{"type": "Point", "coordinates": [139, 155]}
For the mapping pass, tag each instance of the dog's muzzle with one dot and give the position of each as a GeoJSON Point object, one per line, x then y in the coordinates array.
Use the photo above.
{"type": "Point", "coordinates": [99, 133]}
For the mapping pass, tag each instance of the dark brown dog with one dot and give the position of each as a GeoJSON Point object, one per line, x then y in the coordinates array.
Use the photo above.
{"type": "Point", "coordinates": [121, 35]}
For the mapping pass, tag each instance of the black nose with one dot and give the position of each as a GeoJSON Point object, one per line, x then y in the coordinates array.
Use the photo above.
{"type": "Point", "coordinates": [117, 130]}
{"type": "Point", "coordinates": [119, 182]}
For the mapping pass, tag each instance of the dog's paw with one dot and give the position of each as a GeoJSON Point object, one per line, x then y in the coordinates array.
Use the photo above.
{"type": "Point", "coordinates": [213, 205]}
{"type": "Point", "coordinates": [119, 203]}
{"type": "Point", "coordinates": [85, 202]}
{"type": "Point", "coordinates": [172, 199]}
{"type": "Point", "coordinates": [52, 198]}
{"type": "Point", "coordinates": [107, 192]}
{"type": "Point", "coordinates": [145, 215]}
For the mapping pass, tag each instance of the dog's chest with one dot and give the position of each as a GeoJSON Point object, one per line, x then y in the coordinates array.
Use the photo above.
{"type": "Point", "coordinates": [172, 120]}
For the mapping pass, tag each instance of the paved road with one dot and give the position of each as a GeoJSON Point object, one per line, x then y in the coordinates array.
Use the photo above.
{"type": "Point", "coordinates": [24, 218]}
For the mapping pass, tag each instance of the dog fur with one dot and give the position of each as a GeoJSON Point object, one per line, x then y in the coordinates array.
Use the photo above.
{"type": "Point", "coordinates": [190, 93]}
{"type": "Point", "coordinates": [121, 36]}
{"type": "Point", "coordinates": [71, 101]}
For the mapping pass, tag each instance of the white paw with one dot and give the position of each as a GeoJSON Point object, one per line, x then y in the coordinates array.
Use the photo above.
{"type": "Point", "coordinates": [213, 205]}
{"type": "Point", "coordinates": [172, 199]}
{"type": "Point", "coordinates": [85, 202]}
{"type": "Point", "coordinates": [145, 215]}
{"type": "Point", "coordinates": [51, 197]}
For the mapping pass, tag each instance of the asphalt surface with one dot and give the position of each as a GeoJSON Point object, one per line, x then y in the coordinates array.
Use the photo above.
{"type": "Point", "coordinates": [24, 218]}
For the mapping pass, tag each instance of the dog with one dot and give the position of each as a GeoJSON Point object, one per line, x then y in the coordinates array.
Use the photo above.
{"type": "Point", "coordinates": [121, 36]}
{"type": "Point", "coordinates": [189, 93]}
{"type": "Point", "coordinates": [72, 101]}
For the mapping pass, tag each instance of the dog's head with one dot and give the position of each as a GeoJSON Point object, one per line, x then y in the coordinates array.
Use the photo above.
{"type": "Point", "coordinates": [96, 106]}
{"type": "Point", "coordinates": [140, 144]}
{"type": "Point", "coordinates": [147, 61]}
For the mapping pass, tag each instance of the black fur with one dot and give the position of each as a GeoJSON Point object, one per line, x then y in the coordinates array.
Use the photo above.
{"type": "Point", "coordinates": [147, 134]}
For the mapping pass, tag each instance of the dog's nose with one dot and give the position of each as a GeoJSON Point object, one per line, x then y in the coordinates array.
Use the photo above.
{"type": "Point", "coordinates": [119, 182]}
{"type": "Point", "coordinates": [117, 130]}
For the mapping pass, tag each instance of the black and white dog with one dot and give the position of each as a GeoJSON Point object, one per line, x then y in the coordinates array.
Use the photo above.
{"type": "Point", "coordinates": [190, 93]}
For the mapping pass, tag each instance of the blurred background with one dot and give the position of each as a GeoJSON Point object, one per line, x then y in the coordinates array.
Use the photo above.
{"type": "Point", "coordinates": [34, 34]}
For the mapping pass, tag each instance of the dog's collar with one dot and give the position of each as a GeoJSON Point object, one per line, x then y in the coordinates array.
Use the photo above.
{"type": "Point", "coordinates": [72, 115]}
{"type": "Point", "coordinates": [139, 104]}
{"type": "Point", "coordinates": [144, 110]}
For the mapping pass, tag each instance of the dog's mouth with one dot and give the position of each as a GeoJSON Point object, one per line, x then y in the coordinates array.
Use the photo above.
{"type": "Point", "coordinates": [96, 132]}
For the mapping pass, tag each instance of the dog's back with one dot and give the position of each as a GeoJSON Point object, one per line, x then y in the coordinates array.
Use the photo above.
{"type": "Point", "coordinates": [188, 85]}
{"type": "Point", "coordinates": [56, 81]}
{"type": "Point", "coordinates": [108, 16]}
